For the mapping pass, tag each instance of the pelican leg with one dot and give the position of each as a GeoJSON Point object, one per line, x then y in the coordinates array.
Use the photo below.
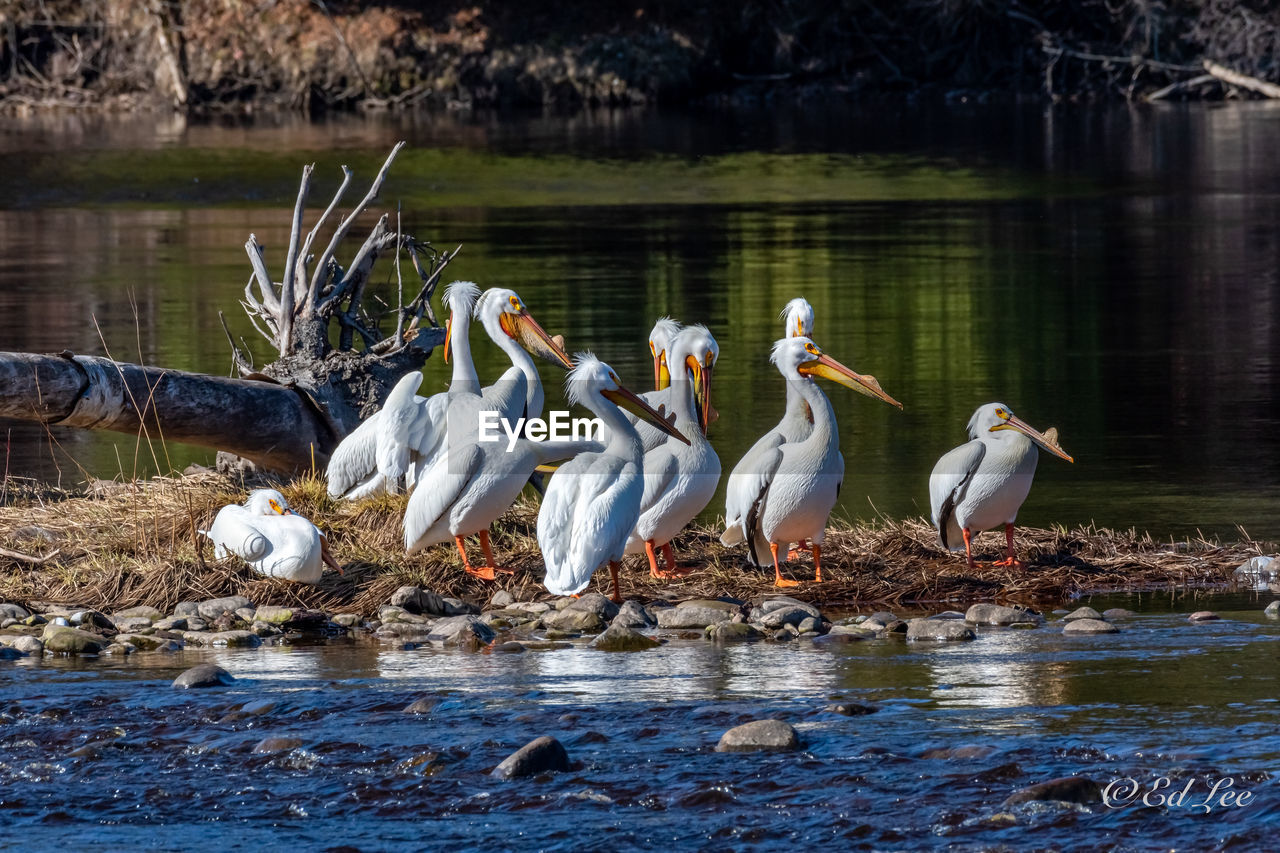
{"type": "Point", "coordinates": [1011, 560]}
{"type": "Point", "coordinates": [617, 593]}
{"type": "Point", "coordinates": [778, 579]}
{"type": "Point", "coordinates": [669, 554]}
{"type": "Point", "coordinates": [672, 571]}
{"type": "Point", "coordinates": [794, 553]}
{"type": "Point", "coordinates": [488, 555]}
{"type": "Point", "coordinates": [484, 572]}
{"type": "Point", "coordinates": [968, 547]}
{"type": "Point", "coordinates": [817, 563]}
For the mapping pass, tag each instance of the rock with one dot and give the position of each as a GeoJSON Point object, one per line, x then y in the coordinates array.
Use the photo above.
{"type": "Point", "coordinates": [594, 602]}
{"type": "Point", "coordinates": [1090, 626]}
{"type": "Point", "coordinates": [132, 624]}
{"type": "Point", "coordinates": [788, 615]}
{"type": "Point", "coordinates": [215, 607]}
{"type": "Point", "coordinates": [1273, 610]}
{"type": "Point", "coordinates": [271, 745]}
{"type": "Point", "coordinates": [1082, 613]}
{"type": "Point", "coordinates": [511, 648]}
{"type": "Point", "coordinates": [187, 608]}
{"type": "Point", "coordinates": [942, 630]}
{"type": "Point", "coordinates": [121, 649]}
{"type": "Point", "coordinates": [574, 620]}
{"type": "Point", "coordinates": [92, 620]}
{"type": "Point", "coordinates": [1258, 572]}
{"type": "Point", "coordinates": [883, 618]}
{"type": "Point", "coordinates": [851, 709]}
{"type": "Point", "coordinates": [419, 601]}
{"type": "Point", "coordinates": [732, 632]}
{"type": "Point", "coordinates": [10, 653]}
{"type": "Point", "coordinates": [425, 705]}
{"type": "Point", "coordinates": [34, 619]}
{"type": "Point", "coordinates": [536, 608]}
{"type": "Point", "coordinates": [810, 625]}
{"type": "Point", "coordinates": [692, 616]}
{"type": "Point", "coordinates": [72, 641]}
{"type": "Point", "coordinates": [759, 735]}
{"type": "Point", "coordinates": [1068, 789]}
{"type": "Point", "coordinates": [948, 614]}
{"type": "Point", "coordinates": [619, 638]}
{"type": "Point", "coordinates": [402, 629]}
{"type": "Point", "coordinates": [632, 615]}
{"type": "Point", "coordinates": [1203, 616]}
{"type": "Point", "coordinates": [204, 675]}
{"type": "Point", "coordinates": [272, 614]}
{"type": "Point", "coordinates": [851, 631]}
{"type": "Point", "coordinates": [13, 611]}
{"type": "Point", "coordinates": [1117, 613]}
{"type": "Point", "coordinates": [501, 599]}
{"type": "Point", "coordinates": [195, 623]}
{"type": "Point", "coordinates": [347, 620]}
{"type": "Point", "coordinates": [773, 602]}
{"type": "Point", "coordinates": [998, 614]}
{"type": "Point", "coordinates": [140, 612]}
{"type": "Point", "coordinates": [958, 753]}
{"type": "Point", "coordinates": [171, 623]}
{"type": "Point", "coordinates": [545, 754]}
{"type": "Point", "coordinates": [235, 640]}
{"type": "Point", "coordinates": [28, 645]}
{"type": "Point", "coordinates": [465, 631]}
{"type": "Point", "coordinates": [142, 642]}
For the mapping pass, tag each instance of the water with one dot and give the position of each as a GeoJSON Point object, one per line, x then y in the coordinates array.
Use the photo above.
{"type": "Point", "coordinates": [1110, 271]}
{"type": "Point", "coordinates": [105, 747]}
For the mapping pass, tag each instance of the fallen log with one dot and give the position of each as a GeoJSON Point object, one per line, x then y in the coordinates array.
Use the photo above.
{"type": "Point", "coordinates": [270, 424]}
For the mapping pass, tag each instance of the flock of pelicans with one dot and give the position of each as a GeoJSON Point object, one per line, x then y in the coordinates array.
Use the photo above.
{"type": "Point", "coordinates": [634, 488]}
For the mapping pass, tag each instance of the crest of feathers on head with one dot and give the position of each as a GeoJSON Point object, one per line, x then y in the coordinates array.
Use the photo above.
{"type": "Point", "coordinates": [588, 371]}
{"type": "Point", "coordinates": [465, 293]}
{"type": "Point", "coordinates": [782, 346]}
{"type": "Point", "coordinates": [798, 307]}
{"type": "Point", "coordinates": [699, 331]}
{"type": "Point", "coordinates": [666, 328]}
{"type": "Point", "coordinates": [499, 293]}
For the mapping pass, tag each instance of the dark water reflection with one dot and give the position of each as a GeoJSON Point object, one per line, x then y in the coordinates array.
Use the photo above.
{"type": "Point", "coordinates": [107, 747]}
{"type": "Point", "coordinates": [1109, 271]}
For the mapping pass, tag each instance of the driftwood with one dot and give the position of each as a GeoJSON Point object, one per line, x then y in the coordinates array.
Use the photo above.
{"type": "Point", "coordinates": [1244, 81]}
{"type": "Point", "coordinates": [287, 415]}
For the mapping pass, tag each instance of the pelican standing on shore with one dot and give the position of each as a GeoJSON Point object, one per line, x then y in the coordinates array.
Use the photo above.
{"type": "Point", "coordinates": [593, 501]}
{"type": "Point", "coordinates": [794, 486]}
{"type": "Point", "coordinates": [680, 476]}
{"type": "Point", "coordinates": [796, 423]}
{"type": "Point", "coordinates": [982, 484]}
{"type": "Point", "coordinates": [268, 535]}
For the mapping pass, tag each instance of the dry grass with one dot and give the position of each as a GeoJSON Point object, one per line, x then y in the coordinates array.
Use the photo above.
{"type": "Point", "coordinates": [123, 544]}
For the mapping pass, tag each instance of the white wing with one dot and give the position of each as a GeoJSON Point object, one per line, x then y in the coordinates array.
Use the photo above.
{"type": "Point", "coordinates": [509, 395]}
{"type": "Point", "coordinates": [396, 419]}
{"type": "Point", "coordinates": [354, 460]}
{"type": "Point", "coordinates": [233, 532]}
{"type": "Point", "coordinates": [589, 508]}
{"type": "Point", "coordinates": [947, 486]}
{"type": "Point", "coordinates": [749, 478]}
{"type": "Point", "coordinates": [427, 507]}
{"type": "Point", "coordinates": [661, 469]}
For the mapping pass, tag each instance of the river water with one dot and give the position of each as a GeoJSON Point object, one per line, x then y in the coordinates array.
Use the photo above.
{"type": "Point", "coordinates": [1111, 271]}
{"type": "Point", "coordinates": [105, 749]}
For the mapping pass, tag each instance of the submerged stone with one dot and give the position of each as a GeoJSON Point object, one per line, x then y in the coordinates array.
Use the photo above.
{"type": "Point", "coordinates": [65, 640]}
{"type": "Point", "coordinates": [633, 615]}
{"type": "Point", "coordinates": [203, 675]}
{"type": "Point", "coordinates": [466, 631]}
{"type": "Point", "coordinates": [1117, 613]}
{"type": "Point", "coordinates": [759, 736]}
{"type": "Point", "coordinates": [618, 638]}
{"type": "Point", "coordinates": [692, 616]}
{"type": "Point", "coordinates": [1082, 613]}
{"type": "Point", "coordinates": [1203, 616]}
{"type": "Point", "coordinates": [271, 745]}
{"type": "Point", "coordinates": [1273, 610]}
{"type": "Point", "coordinates": [1090, 626]}
{"type": "Point", "coordinates": [731, 632]}
{"type": "Point", "coordinates": [1067, 789]}
{"type": "Point", "coordinates": [998, 614]}
{"type": "Point", "coordinates": [940, 630]}
{"type": "Point", "coordinates": [542, 755]}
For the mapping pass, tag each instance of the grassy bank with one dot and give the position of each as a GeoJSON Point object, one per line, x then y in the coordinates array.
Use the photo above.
{"type": "Point", "coordinates": [117, 545]}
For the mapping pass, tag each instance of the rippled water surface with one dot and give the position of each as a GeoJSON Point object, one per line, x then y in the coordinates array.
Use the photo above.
{"type": "Point", "coordinates": [1111, 271]}
{"type": "Point", "coordinates": [106, 750]}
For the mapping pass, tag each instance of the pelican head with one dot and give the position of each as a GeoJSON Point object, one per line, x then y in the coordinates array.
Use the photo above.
{"type": "Point", "coordinates": [994, 417]}
{"type": "Point", "coordinates": [591, 379]}
{"type": "Point", "coordinates": [797, 318]}
{"type": "Point", "coordinates": [460, 297]}
{"type": "Point", "coordinates": [800, 358]}
{"type": "Point", "coordinates": [660, 340]}
{"type": "Point", "coordinates": [699, 351]}
{"type": "Point", "coordinates": [503, 308]}
{"type": "Point", "coordinates": [267, 502]}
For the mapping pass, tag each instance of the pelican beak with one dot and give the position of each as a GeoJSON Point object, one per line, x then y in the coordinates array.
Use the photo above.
{"type": "Point", "coordinates": [275, 505]}
{"type": "Point", "coordinates": [624, 399]}
{"type": "Point", "coordinates": [1016, 423]}
{"type": "Point", "coordinates": [327, 556]}
{"type": "Point", "coordinates": [661, 375]}
{"type": "Point", "coordinates": [828, 368]}
{"type": "Point", "coordinates": [701, 391]}
{"type": "Point", "coordinates": [448, 336]}
{"type": "Point", "coordinates": [522, 328]}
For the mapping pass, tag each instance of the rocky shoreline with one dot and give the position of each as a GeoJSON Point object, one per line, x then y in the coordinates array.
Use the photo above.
{"type": "Point", "coordinates": [417, 617]}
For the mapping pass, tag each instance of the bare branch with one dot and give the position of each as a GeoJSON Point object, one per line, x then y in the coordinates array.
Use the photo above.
{"type": "Point", "coordinates": [1180, 85]}
{"type": "Point", "coordinates": [1244, 81]}
{"type": "Point", "coordinates": [399, 337]}
{"type": "Point", "coordinates": [422, 302]}
{"type": "Point", "coordinates": [343, 227]}
{"type": "Point", "coordinates": [237, 357]}
{"type": "Point", "coordinates": [288, 302]}
{"type": "Point", "coordinates": [269, 300]}
{"type": "Point", "coordinates": [313, 292]}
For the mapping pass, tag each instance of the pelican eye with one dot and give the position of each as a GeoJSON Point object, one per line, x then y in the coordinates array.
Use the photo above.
{"type": "Point", "coordinates": [614, 377]}
{"type": "Point", "coordinates": [276, 506]}
{"type": "Point", "coordinates": [1001, 413]}
{"type": "Point", "coordinates": [710, 357]}
{"type": "Point", "coordinates": [515, 303]}
{"type": "Point", "coordinates": [813, 349]}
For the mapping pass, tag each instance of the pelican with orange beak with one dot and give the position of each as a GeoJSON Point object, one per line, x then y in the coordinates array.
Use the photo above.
{"type": "Point", "coordinates": [792, 487]}
{"type": "Point", "coordinates": [982, 484]}
{"type": "Point", "coordinates": [268, 535]}
{"type": "Point", "coordinates": [593, 501]}
{"type": "Point", "coordinates": [660, 338]}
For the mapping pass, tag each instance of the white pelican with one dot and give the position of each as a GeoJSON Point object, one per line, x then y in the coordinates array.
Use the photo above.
{"type": "Point", "coordinates": [794, 485]}
{"type": "Point", "coordinates": [272, 538]}
{"type": "Point", "coordinates": [981, 484]}
{"type": "Point", "coordinates": [796, 424]}
{"type": "Point", "coordinates": [405, 436]}
{"type": "Point", "coordinates": [680, 477]}
{"type": "Point", "coordinates": [593, 501]}
{"type": "Point", "coordinates": [663, 333]}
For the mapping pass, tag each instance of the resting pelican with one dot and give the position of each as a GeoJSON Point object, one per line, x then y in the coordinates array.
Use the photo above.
{"type": "Point", "coordinates": [981, 485]}
{"type": "Point", "coordinates": [404, 438]}
{"type": "Point", "coordinates": [794, 485]}
{"type": "Point", "coordinates": [796, 424]}
{"type": "Point", "coordinates": [680, 476]}
{"type": "Point", "coordinates": [592, 503]}
{"type": "Point", "coordinates": [660, 338]}
{"type": "Point", "coordinates": [272, 538]}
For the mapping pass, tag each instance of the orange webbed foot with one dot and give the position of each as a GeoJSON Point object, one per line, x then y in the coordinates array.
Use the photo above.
{"type": "Point", "coordinates": [483, 572]}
